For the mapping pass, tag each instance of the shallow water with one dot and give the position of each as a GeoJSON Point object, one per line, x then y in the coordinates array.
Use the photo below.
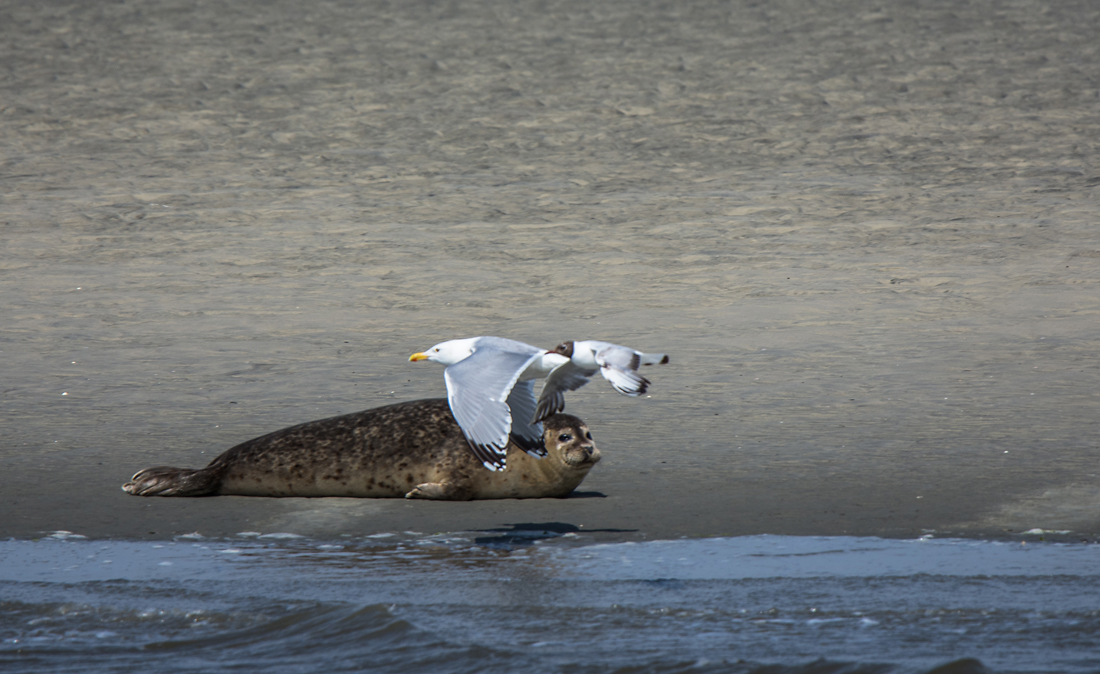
{"type": "Point", "coordinates": [540, 601]}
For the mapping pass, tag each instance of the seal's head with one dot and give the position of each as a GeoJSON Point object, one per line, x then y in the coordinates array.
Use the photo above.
{"type": "Point", "coordinates": [564, 349]}
{"type": "Point", "coordinates": [569, 441]}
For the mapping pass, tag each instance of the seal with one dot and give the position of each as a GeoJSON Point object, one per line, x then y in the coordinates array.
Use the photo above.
{"type": "Point", "coordinates": [412, 449]}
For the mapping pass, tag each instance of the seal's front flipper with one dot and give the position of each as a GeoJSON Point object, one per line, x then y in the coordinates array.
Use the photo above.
{"type": "Point", "coordinates": [441, 491]}
{"type": "Point", "coordinates": [168, 481]}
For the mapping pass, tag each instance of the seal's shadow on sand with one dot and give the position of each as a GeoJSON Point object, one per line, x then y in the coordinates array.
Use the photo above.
{"type": "Point", "coordinates": [527, 533]}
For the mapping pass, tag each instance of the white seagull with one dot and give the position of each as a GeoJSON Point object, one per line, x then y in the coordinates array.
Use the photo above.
{"type": "Point", "coordinates": [491, 392]}
{"type": "Point", "coordinates": [618, 365]}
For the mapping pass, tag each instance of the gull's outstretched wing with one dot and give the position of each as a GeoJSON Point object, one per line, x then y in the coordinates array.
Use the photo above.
{"type": "Point", "coordinates": [526, 433]}
{"type": "Point", "coordinates": [477, 390]}
{"type": "Point", "coordinates": [620, 357]}
{"type": "Point", "coordinates": [619, 366]}
{"type": "Point", "coordinates": [565, 377]}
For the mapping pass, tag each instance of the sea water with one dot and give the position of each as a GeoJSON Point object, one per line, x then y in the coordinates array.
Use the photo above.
{"type": "Point", "coordinates": [544, 601]}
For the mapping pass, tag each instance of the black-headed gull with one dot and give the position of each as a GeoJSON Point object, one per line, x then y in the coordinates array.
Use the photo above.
{"type": "Point", "coordinates": [618, 365]}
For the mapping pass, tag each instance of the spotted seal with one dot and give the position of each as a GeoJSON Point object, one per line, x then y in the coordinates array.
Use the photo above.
{"type": "Point", "coordinates": [411, 449]}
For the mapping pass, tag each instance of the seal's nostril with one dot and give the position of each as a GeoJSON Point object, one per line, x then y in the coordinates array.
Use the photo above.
{"type": "Point", "coordinates": [588, 449]}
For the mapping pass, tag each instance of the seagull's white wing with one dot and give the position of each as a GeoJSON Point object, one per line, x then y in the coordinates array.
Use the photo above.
{"type": "Point", "coordinates": [526, 433]}
{"type": "Point", "coordinates": [565, 377]}
{"type": "Point", "coordinates": [627, 382]}
{"type": "Point", "coordinates": [478, 389]}
{"type": "Point", "coordinates": [619, 357]}
{"type": "Point", "coordinates": [619, 365]}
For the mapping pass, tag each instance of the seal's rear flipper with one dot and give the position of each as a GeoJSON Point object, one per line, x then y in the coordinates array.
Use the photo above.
{"type": "Point", "coordinates": [167, 481]}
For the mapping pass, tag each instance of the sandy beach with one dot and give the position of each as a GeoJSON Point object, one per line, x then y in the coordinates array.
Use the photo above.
{"type": "Point", "coordinates": [867, 235]}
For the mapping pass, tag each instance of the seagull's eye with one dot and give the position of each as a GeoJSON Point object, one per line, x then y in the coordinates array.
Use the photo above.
{"type": "Point", "coordinates": [565, 437]}
{"type": "Point", "coordinates": [588, 434]}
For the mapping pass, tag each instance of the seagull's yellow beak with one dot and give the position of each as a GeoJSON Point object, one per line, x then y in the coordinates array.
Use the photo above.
{"type": "Point", "coordinates": [418, 356]}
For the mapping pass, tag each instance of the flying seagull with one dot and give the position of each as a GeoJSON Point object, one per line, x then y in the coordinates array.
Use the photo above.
{"type": "Point", "coordinates": [618, 365]}
{"type": "Point", "coordinates": [491, 391]}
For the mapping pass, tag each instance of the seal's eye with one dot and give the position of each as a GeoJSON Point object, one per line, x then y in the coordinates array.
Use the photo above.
{"type": "Point", "coordinates": [565, 437]}
{"type": "Point", "coordinates": [588, 434]}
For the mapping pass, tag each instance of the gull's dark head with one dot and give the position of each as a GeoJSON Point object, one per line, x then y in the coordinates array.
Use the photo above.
{"type": "Point", "coordinates": [564, 349]}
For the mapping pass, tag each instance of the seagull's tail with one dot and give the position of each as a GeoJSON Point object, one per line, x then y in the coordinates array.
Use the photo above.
{"type": "Point", "coordinates": [652, 358]}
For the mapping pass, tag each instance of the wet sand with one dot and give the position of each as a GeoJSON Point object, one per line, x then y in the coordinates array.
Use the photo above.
{"type": "Point", "coordinates": [868, 236]}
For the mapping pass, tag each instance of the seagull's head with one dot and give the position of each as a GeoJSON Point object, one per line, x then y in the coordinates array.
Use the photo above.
{"type": "Point", "coordinates": [447, 353]}
{"type": "Point", "coordinates": [564, 349]}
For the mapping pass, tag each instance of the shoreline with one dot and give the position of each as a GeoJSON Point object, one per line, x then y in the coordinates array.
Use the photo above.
{"type": "Point", "coordinates": [613, 504]}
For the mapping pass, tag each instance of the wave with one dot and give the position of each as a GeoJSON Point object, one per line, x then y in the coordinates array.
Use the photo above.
{"type": "Point", "coordinates": [67, 637]}
{"type": "Point", "coordinates": [757, 605]}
